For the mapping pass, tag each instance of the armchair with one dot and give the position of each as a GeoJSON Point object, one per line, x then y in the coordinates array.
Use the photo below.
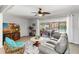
{"type": "Point", "coordinates": [12, 47]}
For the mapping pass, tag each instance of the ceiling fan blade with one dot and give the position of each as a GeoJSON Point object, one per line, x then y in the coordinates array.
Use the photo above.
{"type": "Point", "coordinates": [35, 15]}
{"type": "Point", "coordinates": [34, 12]}
{"type": "Point", "coordinates": [46, 13]}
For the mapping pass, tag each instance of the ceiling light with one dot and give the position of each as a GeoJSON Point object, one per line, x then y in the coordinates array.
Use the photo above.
{"type": "Point", "coordinates": [40, 14]}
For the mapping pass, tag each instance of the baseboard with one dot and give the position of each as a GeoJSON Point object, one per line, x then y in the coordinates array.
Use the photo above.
{"type": "Point", "coordinates": [74, 43]}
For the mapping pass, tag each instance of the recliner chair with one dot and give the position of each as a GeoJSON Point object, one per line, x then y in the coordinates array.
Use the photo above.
{"type": "Point", "coordinates": [55, 47]}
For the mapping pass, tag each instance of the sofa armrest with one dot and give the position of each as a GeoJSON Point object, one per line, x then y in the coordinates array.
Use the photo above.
{"type": "Point", "coordinates": [52, 42]}
{"type": "Point", "coordinates": [44, 49]}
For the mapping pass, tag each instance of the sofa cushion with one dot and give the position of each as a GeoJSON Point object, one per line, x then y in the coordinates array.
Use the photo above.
{"type": "Point", "coordinates": [49, 42]}
{"type": "Point", "coordinates": [44, 49]}
{"type": "Point", "coordinates": [20, 44]}
{"type": "Point", "coordinates": [56, 35]}
{"type": "Point", "coordinates": [10, 42]}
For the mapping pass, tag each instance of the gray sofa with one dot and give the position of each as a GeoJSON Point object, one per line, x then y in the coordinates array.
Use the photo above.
{"type": "Point", "coordinates": [55, 47]}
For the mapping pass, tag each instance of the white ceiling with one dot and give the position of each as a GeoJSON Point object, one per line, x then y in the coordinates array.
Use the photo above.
{"type": "Point", "coordinates": [55, 10]}
{"type": "Point", "coordinates": [2, 7]}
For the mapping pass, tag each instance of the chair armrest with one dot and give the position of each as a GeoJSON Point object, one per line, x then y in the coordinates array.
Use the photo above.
{"type": "Point", "coordinates": [49, 45]}
{"type": "Point", "coordinates": [52, 42]}
{"type": "Point", "coordinates": [12, 50]}
{"type": "Point", "coordinates": [44, 49]}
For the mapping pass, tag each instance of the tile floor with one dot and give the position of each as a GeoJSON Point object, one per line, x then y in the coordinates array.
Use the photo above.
{"type": "Point", "coordinates": [74, 49]}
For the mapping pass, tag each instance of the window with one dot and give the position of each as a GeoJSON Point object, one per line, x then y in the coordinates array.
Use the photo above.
{"type": "Point", "coordinates": [57, 26]}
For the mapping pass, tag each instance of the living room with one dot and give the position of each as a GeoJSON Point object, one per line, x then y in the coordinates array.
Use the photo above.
{"type": "Point", "coordinates": [21, 23]}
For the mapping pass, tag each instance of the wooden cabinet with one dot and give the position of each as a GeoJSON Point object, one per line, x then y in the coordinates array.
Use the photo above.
{"type": "Point", "coordinates": [15, 36]}
{"type": "Point", "coordinates": [11, 30]}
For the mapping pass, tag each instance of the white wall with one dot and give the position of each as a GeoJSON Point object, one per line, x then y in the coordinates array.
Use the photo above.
{"type": "Point", "coordinates": [33, 21]}
{"type": "Point", "coordinates": [58, 19]}
{"type": "Point", "coordinates": [24, 23]}
{"type": "Point", "coordinates": [1, 20]}
{"type": "Point", "coordinates": [75, 28]}
{"type": "Point", "coordinates": [36, 22]}
{"type": "Point", "coordinates": [70, 27]}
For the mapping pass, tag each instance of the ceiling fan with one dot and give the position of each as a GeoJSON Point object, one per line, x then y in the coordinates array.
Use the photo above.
{"type": "Point", "coordinates": [40, 12]}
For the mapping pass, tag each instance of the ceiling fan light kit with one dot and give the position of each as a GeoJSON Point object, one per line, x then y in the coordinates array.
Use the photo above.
{"type": "Point", "coordinates": [40, 15]}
